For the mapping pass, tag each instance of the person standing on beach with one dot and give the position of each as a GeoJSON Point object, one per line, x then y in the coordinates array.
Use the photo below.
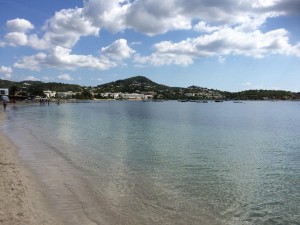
{"type": "Point", "coordinates": [4, 105]}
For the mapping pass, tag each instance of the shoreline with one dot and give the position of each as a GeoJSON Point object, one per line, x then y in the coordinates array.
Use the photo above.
{"type": "Point", "coordinates": [21, 196]}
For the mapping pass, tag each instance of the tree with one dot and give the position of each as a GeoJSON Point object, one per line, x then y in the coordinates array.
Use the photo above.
{"type": "Point", "coordinates": [13, 89]}
{"type": "Point", "coordinates": [86, 95]}
{"type": "Point", "coordinates": [36, 90]}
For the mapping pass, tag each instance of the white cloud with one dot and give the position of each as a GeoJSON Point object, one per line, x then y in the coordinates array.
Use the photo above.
{"type": "Point", "coordinates": [247, 84]}
{"type": "Point", "coordinates": [157, 59]}
{"type": "Point", "coordinates": [22, 39]}
{"type": "Point", "coordinates": [264, 3]}
{"type": "Point", "coordinates": [19, 25]}
{"type": "Point", "coordinates": [156, 17]}
{"type": "Point", "coordinates": [118, 50]}
{"type": "Point", "coordinates": [150, 17]}
{"type": "Point", "coordinates": [31, 62]}
{"type": "Point", "coordinates": [66, 27]}
{"type": "Point", "coordinates": [15, 38]}
{"type": "Point", "coordinates": [221, 59]}
{"type": "Point", "coordinates": [226, 41]}
{"type": "Point", "coordinates": [231, 28]}
{"type": "Point", "coordinates": [65, 77]}
{"type": "Point", "coordinates": [7, 71]}
{"type": "Point", "coordinates": [62, 58]}
{"type": "Point", "coordinates": [107, 14]}
{"type": "Point", "coordinates": [31, 78]}
{"type": "Point", "coordinates": [204, 27]}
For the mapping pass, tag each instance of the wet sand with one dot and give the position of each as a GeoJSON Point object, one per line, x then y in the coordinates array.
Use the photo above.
{"type": "Point", "coordinates": [21, 197]}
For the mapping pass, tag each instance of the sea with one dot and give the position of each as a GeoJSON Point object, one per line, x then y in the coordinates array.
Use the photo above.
{"type": "Point", "coordinates": [134, 162]}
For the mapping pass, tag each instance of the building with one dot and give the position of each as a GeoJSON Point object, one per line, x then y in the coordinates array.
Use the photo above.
{"type": "Point", "coordinates": [4, 91]}
{"type": "Point", "coordinates": [65, 94]}
{"type": "Point", "coordinates": [50, 94]}
{"type": "Point", "coordinates": [132, 96]}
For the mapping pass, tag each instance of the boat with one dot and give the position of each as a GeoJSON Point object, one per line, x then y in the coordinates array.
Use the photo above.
{"type": "Point", "coordinates": [237, 102]}
{"type": "Point", "coordinates": [218, 100]}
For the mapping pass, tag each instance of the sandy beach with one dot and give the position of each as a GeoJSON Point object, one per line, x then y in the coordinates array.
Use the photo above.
{"type": "Point", "coordinates": [21, 198]}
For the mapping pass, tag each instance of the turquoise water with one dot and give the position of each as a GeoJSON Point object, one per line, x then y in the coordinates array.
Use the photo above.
{"type": "Point", "coordinates": [169, 162]}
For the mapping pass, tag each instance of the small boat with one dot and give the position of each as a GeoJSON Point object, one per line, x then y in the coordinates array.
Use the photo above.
{"type": "Point", "coordinates": [237, 102]}
{"type": "Point", "coordinates": [218, 100]}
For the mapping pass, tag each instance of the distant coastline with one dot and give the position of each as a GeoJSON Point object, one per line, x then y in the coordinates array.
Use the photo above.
{"type": "Point", "coordinates": [138, 88]}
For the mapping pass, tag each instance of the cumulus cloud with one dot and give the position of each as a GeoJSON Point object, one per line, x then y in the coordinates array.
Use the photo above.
{"type": "Point", "coordinates": [7, 71]}
{"type": "Point", "coordinates": [107, 14]}
{"type": "Point", "coordinates": [31, 62]}
{"type": "Point", "coordinates": [15, 38]}
{"type": "Point", "coordinates": [18, 35]}
{"type": "Point", "coordinates": [156, 17]}
{"type": "Point", "coordinates": [157, 59]}
{"type": "Point", "coordinates": [118, 50]}
{"type": "Point", "coordinates": [66, 27]}
{"type": "Point", "coordinates": [32, 78]}
{"type": "Point", "coordinates": [230, 27]}
{"type": "Point", "coordinates": [65, 77]}
{"type": "Point", "coordinates": [19, 25]}
{"type": "Point", "coordinates": [226, 41]}
{"type": "Point", "coordinates": [62, 58]}
{"type": "Point", "coordinates": [205, 28]}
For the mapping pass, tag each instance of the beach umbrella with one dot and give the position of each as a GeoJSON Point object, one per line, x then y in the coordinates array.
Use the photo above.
{"type": "Point", "coordinates": [5, 98]}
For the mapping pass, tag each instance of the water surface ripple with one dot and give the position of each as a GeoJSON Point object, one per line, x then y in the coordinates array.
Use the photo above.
{"type": "Point", "coordinates": [164, 162]}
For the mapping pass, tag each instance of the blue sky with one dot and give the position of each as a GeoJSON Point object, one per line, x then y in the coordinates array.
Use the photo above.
{"type": "Point", "coordinates": [229, 45]}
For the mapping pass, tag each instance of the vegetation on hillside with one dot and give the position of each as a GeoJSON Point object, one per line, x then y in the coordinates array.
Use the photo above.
{"type": "Point", "coordinates": [262, 95]}
{"type": "Point", "coordinates": [143, 85]}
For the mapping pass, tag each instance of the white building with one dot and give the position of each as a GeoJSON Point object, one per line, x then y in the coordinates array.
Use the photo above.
{"type": "Point", "coordinates": [132, 96]}
{"type": "Point", "coordinates": [3, 91]}
{"type": "Point", "coordinates": [50, 94]}
{"type": "Point", "coordinates": [65, 94]}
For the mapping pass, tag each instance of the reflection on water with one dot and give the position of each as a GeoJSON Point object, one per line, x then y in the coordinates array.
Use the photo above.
{"type": "Point", "coordinates": [165, 163]}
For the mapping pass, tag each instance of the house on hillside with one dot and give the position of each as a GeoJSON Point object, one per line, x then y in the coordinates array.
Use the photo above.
{"type": "Point", "coordinates": [50, 94]}
{"type": "Point", "coordinates": [4, 91]}
{"type": "Point", "coordinates": [65, 94]}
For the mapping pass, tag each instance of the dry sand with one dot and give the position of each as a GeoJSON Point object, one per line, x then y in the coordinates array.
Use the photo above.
{"type": "Point", "coordinates": [21, 198]}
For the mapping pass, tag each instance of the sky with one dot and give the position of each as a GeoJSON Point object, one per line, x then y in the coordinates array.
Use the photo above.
{"type": "Point", "coordinates": [230, 45]}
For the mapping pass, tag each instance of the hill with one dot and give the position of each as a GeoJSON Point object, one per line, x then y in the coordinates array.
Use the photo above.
{"type": "Point", "coordinates": [141, 84]}
{"type": "Point", "coordinates": [131, 85]}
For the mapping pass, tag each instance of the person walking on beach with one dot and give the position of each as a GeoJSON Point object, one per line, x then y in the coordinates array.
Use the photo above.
{"type": "Point", "coordinates": [4, 105]}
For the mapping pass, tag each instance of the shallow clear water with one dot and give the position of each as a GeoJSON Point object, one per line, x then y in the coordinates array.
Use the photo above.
{"type": "Point", "coordinates": [164, 162]}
